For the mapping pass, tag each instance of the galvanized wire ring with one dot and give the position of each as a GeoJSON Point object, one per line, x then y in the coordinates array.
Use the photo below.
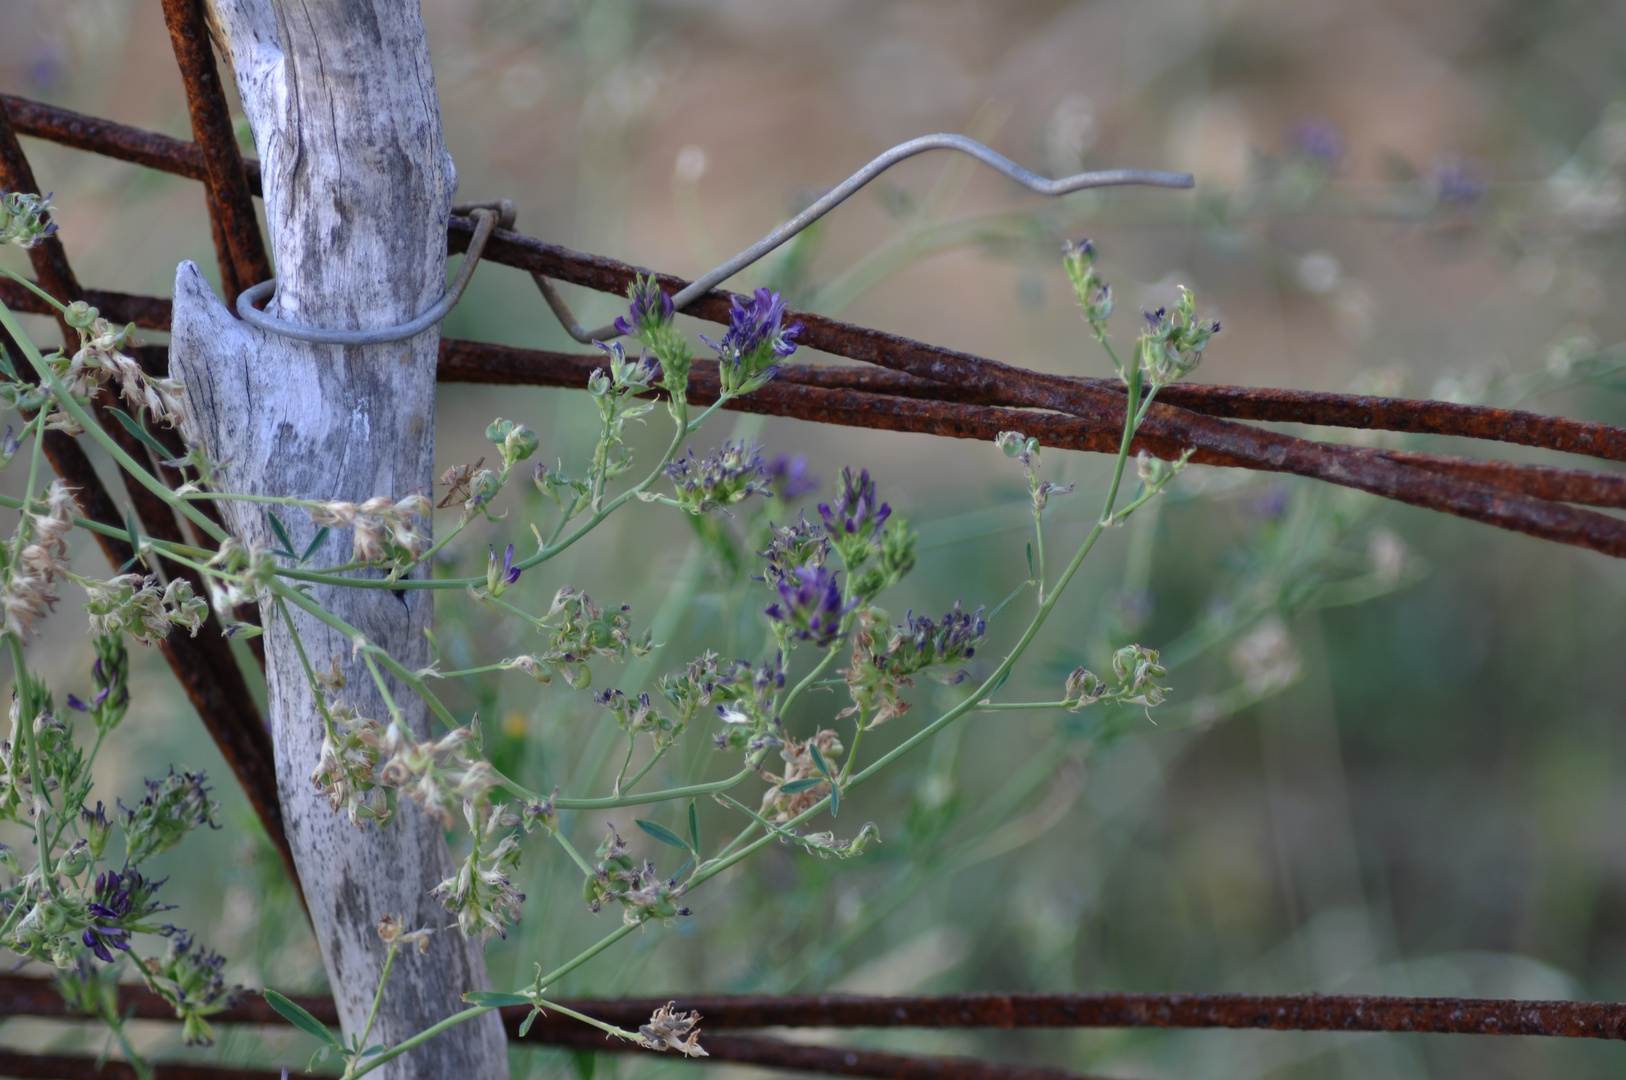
{"type": "Point", "coordinates": [844, 190]}
{"type": "Point", "coordinates": [488, 215]}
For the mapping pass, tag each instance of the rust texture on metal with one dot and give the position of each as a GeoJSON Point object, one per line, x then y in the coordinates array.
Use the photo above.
{"type": "Point", "coordinates": [974, 379]}
{"type": "Point", "coordinates": [239, 245]}
{"type": "Point", "coordinates": [479, 362]}
{"type": "Point", "coordinates": [204, 664]}
{"type": "Point", "coordinates": [182, 158]}
{"type": "Point", "coordinates": [27, 996]}
{"type": "Point", "coordinates": [76, 1067]}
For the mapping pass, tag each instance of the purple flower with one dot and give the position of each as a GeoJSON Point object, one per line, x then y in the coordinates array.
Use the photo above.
{"type": "Point", "coordinates": [77, 705]}
{"type": "Point", "coordinates": [1317, 139]}
{"type": "Point", "coordinates": [790, 478]}
{"type": "Point", "coordinates": [1459, 181]}
{"type": "Point", "coordinates": [856, 513]}
{"type": "Point", "coordinates": [755, 342]}
{"type": "Point", "coordinates": [720, 479]}
{"type": "Point", "coordinates": [507, 573]}
{"type": "Point", "coordinates": [117, 898]}
{"type": "Point", "coordinates": [651, 308]}
{"type": "Point", "coordinates": [810, 606]}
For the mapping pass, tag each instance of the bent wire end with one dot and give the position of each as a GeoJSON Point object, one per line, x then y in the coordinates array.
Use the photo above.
{"type": "Point", "coordinates": [845, 190]}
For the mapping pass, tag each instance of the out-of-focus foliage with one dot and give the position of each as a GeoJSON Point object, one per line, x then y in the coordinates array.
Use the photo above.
{"type": "Point", "coordinates": [1392, 754]}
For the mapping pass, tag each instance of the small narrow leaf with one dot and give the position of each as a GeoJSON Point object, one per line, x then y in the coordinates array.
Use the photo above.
{"type": "Point", "coordinates": [1030, 558]}
{"type": "Point", "coordinates": [496, 998]}
{"type": "Point", "coordinates": [299, 1018]}
{"type": "Point", "coordinates": [662, 833]}
{"type": "Point", "coordinates": [684, 868]}
{"type": "Point", "coordinates": [5, 364]}
{"type": "Point", "coordinates": [694, 828]}
{"type": "Point", "coordinates": [1002, 680]}
{"type": "Point", "coordinates": [316, 544]}
{"type": "Point", "coordinates": [835, 798]}
{"type": "Point", "coordinates": [134, 427]}
{"type": "Point", "coordinates": [802, 785]}
{"type": "Point", "coordinates": [375, 1049]}
{"type": "Point", "coordinates": [525, 1025]}
{"type": "Point", "coordinates": [819, 762]}
{"type": "Point", "coordinates": [283, 538]}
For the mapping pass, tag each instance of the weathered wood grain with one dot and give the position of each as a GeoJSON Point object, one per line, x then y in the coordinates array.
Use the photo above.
{"type": "Point", "coordinates": [358, 184]}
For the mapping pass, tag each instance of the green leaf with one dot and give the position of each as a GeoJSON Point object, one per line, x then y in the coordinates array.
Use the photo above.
{"type": "Point", "coordinates": [301, 1019]}
{"type": "Point", "coordinates": [133, 426]}
{"type": "Point", "coordinates": [377, 1049]}
{"type": "Point", "coordinates": [1030, 558]}
{"type": "Point", "coordinates": [283, 538]}
{"type": "Point", "coordinates": [662, 833]}
{"type": "Point", "coordinates": [584, 1061]}
{"type": "Point", "coordinates": [819, 762]}
{"type": "Point", "coordinates": [686, 864]}
{"type": "Point", "coordinates": [1002, 680]}
{"type": "Point", "coordinates": [802, 785]}
{"type": "Point", "coordinates": [525, 1025]}
{"type": "Point", "coordinates": [496, 998]}
{"type": "Point", "coordinates": [694, 828]}
{"type": "Point", "coordinates": [835, 798]}
{"type": "Point", "coordinates": [5, 364]}
{"type": "Point", "coordinates": [316, 544]}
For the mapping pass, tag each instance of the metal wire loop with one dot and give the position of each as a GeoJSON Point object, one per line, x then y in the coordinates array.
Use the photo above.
{"type": "Point", "coordinates": [844, 190]}
{"type": "Point", "coordinates": [488, 216]}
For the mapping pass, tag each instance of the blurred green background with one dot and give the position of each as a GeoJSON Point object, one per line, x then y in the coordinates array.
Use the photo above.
{"type": "Point", "coordinates": [1394, 757]}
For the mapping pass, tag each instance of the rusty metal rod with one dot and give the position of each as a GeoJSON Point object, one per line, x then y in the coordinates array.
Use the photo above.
{"type": "Point", "coordinates": [204, 664]}
{"type": "Point", "coordinates": [1243, 403]}
{"type": "Point", "coordinates": [27, 996]}
{"type": "Point", "coordinates": [239, 246]}
{"type": "Point", "coordinates": [480, 362]}
{"type": "Point", "coordinates": [22, 996]}
{"type": "Point", "coordinates": [1498, 493]}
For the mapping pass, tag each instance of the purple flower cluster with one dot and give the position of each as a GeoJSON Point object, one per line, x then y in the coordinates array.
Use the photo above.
{"type": "Point", "coordinates": [756, 341]}
{"type": "Point", "coordinates": [857, 513]}
{"type": "Point", "coordinates": [1319, 140]}
{"type": "Point", "coordinates": [117, 900]}
{"type": "Point", "coordinates": [110, 907]}
{"type": "Point", "coordinates": [720, 479]}
{"type": "Point", "coordinates": [650, 309]}
{"type": "Point", "coordinates": [925, 642]}
{"type": "Point", "coordinates": [790, 478]}
{"type": "Point", "coordinates": [810, 606]}
{"type": "Point", "coordinates": [855, 520]}
{"type": "Point", "coordinates": [1459, 182]}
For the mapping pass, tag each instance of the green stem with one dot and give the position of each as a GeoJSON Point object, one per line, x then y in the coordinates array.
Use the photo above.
{"type": "Point", "coordinates": [28, 709]}
{"type": "Point", "coordinates": [480, 1010]}
{"type": "Point", "coordinates": [50, 379]}
{"type": "Point", "coordinates": [378, 999]}
{"type": "Point", "coordinates": [668, 795]}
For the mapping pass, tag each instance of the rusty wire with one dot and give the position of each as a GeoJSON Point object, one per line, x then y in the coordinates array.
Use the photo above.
{"type": "Point", "coordinates": [26, 996]}
{"type": "Point", "coordinates": [238, 244]}
{"type": "Point", "coordinates": [166, 154]}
